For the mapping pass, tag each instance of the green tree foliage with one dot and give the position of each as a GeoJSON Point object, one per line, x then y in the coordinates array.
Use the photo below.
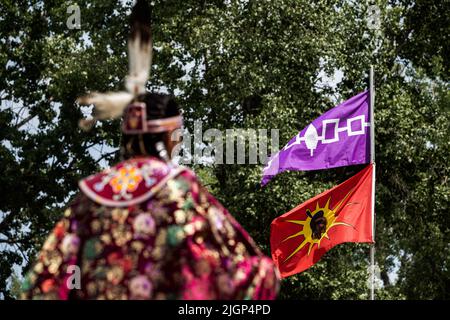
{"type": "Point", "coordinates": [241, 64]}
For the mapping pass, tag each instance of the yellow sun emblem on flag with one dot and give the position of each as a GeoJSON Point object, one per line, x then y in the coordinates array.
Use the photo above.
{"type": "Point", "coordinates": [316, 226]}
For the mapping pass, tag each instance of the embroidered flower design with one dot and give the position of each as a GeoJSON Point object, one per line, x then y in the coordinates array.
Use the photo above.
{"type": "Point", "coordinates": [140, 288]}
{"type": "Point", "coordinates": [70, 245]}
{"type": "Point", "coordinates": [126, 179]}
{"type": "Point", "coordinates": [144, 225]}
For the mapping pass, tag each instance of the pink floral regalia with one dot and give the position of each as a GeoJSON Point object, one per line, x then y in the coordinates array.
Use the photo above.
{"type": "Point", "coordinates": [144, 229]}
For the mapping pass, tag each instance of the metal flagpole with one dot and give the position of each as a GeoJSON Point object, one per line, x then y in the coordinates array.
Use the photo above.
{"type": "Point", "coordinates": [372, 160]}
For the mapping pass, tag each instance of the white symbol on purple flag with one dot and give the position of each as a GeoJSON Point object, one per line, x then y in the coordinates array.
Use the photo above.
{"type": "Point", "coordinates": [339, 137]}
{"type": "Point", "coordinates": [311, 137]}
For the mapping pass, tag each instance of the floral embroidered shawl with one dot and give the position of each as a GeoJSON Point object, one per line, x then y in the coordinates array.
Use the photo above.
{"type": "Point", "coordinates": [145, 230]}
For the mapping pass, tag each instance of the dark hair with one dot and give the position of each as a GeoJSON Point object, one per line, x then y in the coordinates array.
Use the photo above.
{"type": "Point", "coordinates": [159, 106]}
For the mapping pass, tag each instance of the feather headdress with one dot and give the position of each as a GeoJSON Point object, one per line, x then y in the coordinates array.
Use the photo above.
{"type": "Point", "coordinates": [111, 105]}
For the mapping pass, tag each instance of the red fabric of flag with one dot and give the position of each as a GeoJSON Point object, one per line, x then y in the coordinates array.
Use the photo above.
{"type": "Point", "coordinates": [300, 237]}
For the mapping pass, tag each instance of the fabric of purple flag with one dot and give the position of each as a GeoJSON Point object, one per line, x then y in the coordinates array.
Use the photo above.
{"type": "Point", "coordinates": [340, 137]}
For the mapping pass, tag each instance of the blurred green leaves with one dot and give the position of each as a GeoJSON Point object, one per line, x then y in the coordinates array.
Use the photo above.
{"type": "Point", "coordinates": [215, 56]}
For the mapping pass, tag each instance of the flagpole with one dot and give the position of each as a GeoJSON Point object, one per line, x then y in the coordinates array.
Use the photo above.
{"type": "Point", "coordinates": [372, 160]}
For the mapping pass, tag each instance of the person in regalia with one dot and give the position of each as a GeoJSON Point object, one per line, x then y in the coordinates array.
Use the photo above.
{"type": "Point", "coordinates": [146, 228]}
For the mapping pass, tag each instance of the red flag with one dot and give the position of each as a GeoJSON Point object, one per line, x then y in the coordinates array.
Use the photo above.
{"type": "Point", "coordinates": [300, 237]}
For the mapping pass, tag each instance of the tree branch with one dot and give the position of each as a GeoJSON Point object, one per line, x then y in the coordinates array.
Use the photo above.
{"type": "Point", "coordinates": [24, 121]}
{"type": "Point", "coordinates": [105, 156]}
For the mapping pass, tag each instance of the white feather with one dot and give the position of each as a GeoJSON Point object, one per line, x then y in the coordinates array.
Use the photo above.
{"type": "Point", "coordinates": [140, 60]}
{"type": "Point", "coordinates": [111, 105]}
{"type": "Point", "coordinates": [108, 105]}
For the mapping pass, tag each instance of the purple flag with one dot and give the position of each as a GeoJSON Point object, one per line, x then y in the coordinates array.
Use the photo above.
{"type": "Point", "coordinates": [340, 137]}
